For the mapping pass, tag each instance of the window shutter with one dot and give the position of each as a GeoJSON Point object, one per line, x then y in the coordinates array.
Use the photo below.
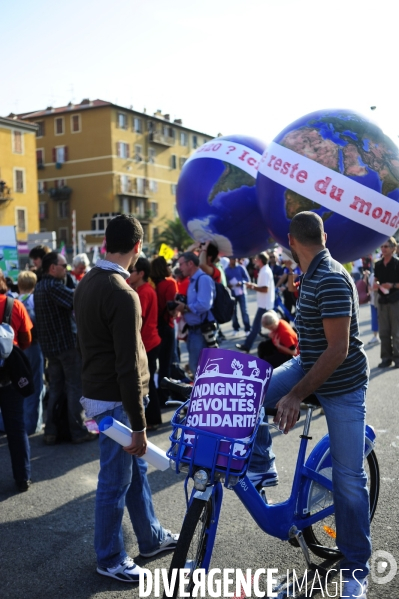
{"type": "Point", "coordinates": [118, 149]}
{"type": "Point", "coordinates": [54, 155]}
{"type": "Point", "coordinates": [44, 185]}
{"type": "Point", "coordinates": [56, 184]}
{"type": "Point", "coordinates": [65, 153]}
{"type": "Point", "coordinates": [127, 150]}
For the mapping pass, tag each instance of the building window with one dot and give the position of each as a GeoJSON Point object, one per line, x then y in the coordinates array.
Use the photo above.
{"type": "Point", "coordinates": [154, 209]}
{"type": "Point", "coordinates": [140, 207]}
{"type": "Point", "coordinates": [173, 161]}
{"type": "Point", "coordinates": [59, 125]}
{"type": "Point", "coordinates": [122, 149]}
{"type": "Point", "coordinates": [17, 140]}
{"type": "Point", "coordinates": [59, 183]}
{"type": "Point", "coordinates": [40, 157]}
{"type": "Point", "coordinates": [140, 184]}
{"type": "Point", "coordinates": [122, 120]}
{"type": "Point", "coordinates": [182, 161]}
{"type": "Point", "coordinates": [138, 125]}
{"type": "Point", "coordinates": [43, 210]}
{"type": "Point", "coordinates": [155, 233]}
{"type": "Point", "coordinates": [138, 153]}
{"type": "Point", "coordinates": [63, 235]}
{"type": "Point", "coordinates": [175, 213]}
{"type": "Point", "coordinates": [40, 129]}
{"type": "Point", "coordinates": [20, 217]}
{"type": "Point", "coordinates": [125, 205]}
{"type": "Point", "coordinates": [19, 184]}
{"type": "Point", "coordinates": [75, 123]}
{"type": "Point", "coordinates": [125, 183]}
{"type": "Point", "coordinates": [183, 139]}
{"type": "Point", "coordinates": [195, 142]}
{"type": "Point", "coordinates": [153, 186]}
{"type": "Point", "coordinates": [151, 155]}
{"type": "Point", "coordinates": [173, 189]}
{"type": "Point", "coordinates": [42, 186]}
{"type": "Point", "coordinates": [60, 154]}
{"type": "Point", "coordinates": [63, 208]}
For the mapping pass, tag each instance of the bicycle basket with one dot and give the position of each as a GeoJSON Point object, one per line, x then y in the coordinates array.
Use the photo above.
{"type": "Point", "coordinates": [225, 458]}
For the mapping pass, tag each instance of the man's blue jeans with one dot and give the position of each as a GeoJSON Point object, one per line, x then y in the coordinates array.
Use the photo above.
{"type": "Point", "coordinates": [122, 481]}
{"type": "Point", "coordinates": [345, 415]}
{"type": "Point", "coordinates": [241, 300]}
{"type": "Point", "coordinates": [256, 328]}
{"type": "Point", "coordinates": [195, 344]}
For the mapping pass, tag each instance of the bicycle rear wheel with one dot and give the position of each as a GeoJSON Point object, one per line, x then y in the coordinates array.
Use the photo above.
{"type": "Point", "coordinates": [193, 541]}
{"type": "Point", "coordinates": [321, 536]}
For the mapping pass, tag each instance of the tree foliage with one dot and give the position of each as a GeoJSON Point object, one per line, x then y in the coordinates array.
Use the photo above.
{"type": "Point", "coordinates": [174, 235]}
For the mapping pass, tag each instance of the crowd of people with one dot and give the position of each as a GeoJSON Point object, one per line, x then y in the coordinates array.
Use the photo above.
{"type": "Point", "coordinates": [98, 341]}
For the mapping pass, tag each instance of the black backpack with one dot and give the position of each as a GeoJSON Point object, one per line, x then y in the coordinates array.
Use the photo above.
{"type": "Point", "coordinates": [223, 304]}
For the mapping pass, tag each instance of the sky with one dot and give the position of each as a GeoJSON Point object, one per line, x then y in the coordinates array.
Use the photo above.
{"type": "Point", "coordinates": [223, 66]}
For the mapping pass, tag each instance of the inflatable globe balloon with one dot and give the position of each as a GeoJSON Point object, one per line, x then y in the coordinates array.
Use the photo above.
{"type": "Point", "coordinates": [216, 195]}
{"type": "Point", "coordinates": [343, 167]}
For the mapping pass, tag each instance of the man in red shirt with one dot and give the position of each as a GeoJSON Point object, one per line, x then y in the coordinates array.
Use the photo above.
{"type": "Point", "coordinates": [138, 280]}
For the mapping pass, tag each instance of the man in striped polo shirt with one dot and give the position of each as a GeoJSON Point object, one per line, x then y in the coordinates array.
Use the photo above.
{"type": "Point", "coordinates": [333, 365]}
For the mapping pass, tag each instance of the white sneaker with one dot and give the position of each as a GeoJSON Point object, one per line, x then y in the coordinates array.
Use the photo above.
{"type": "Point", "coordinates": [236, 334]}
{"type": "Point", "coordinates": [374, 341]}
{"type": "Point", "coordinates": [127, 571]}
{"type": "Point", "coordinates": [168, 544]}
{"type": "Point", "coordinates": [355, 588]}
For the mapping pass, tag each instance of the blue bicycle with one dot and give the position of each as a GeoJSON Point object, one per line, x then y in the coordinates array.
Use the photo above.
{"type": "Point", "coordinates": [306, 519]}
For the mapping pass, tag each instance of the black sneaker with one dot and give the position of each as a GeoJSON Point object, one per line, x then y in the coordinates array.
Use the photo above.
{"type": "Point", "coordinates": [242, 347]}
{"type": "Point", "coordinates": [23, 485]}
{"type": "Point", "coordinates": [385, 364]}
{"type": "Point", "coordinates": [127, 571]}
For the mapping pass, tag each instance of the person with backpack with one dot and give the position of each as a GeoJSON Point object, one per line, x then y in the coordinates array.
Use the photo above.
{"type": "Point", "coordinates": [198, 315]}
{"type": "Point", "coordinates": [33, 407]}
{"type": "Point", "coordinates": [11, 401]}
{"type": "Point", "coordinates": [210, 264]}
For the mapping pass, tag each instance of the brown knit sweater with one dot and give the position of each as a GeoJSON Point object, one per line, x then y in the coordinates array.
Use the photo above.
{"type": "Point", "coordinates": [115, 367]}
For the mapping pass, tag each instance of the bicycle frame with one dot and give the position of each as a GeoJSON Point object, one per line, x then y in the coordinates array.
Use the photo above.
{"type": "Point", "coordinates": [281, 520]}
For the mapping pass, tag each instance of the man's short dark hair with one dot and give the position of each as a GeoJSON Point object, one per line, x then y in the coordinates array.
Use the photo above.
{"type": "Point", "coordinates": [263, 257]}
{"type": "Point", "coordinates": [143, 265]}
{"type": "Point", "coordinates": [39, 251]}
{"type": "Point", "coordinates": [122, 234]}
{"type": "Point", "coordinates": [48, 260]}
{"type": "Point", "coordinates": [190, 257]}
{"type": "Point", "coordinates": [307, 228]}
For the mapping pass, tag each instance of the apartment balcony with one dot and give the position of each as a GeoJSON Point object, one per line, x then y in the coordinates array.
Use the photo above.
{"type": "Point", "coordinates": [5, 192]}
{"type": "Point", "coordinates": [144, 217]}
{"type": "Point", "coordinates": [161, 139]}
{"type": "Point", "coordinates": [60, 193]}
{"type": "Point", "coordinates": [135, 190]}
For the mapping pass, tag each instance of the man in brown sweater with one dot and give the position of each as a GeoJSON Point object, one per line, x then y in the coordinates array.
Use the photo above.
{"type": "Point", "coordinates": [115, 383]}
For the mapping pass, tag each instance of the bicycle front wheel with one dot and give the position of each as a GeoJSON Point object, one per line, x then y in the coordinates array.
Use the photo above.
{"type": "Point", "coordinates": [192, 544]}
{"type": "Point", "coordinates": [321, 536]}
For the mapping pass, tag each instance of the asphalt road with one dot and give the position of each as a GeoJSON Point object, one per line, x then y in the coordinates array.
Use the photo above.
{"type": "Point", "coordinates": [46, 534]}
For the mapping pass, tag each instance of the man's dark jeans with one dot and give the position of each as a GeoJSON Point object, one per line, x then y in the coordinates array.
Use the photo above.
{"type": "Point", "coordinates": [12, 409]}
{"type": "Point", "coordinates": [65, 376]}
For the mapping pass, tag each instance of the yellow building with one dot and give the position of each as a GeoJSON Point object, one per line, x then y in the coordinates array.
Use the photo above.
{"type": "Point", "coordinates": [18, 177]}
{"type": "Point", "coordinates": [100, 159]}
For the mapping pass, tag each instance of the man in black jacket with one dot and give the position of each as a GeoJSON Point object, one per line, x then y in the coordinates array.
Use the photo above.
{"type": "Point", "coordinates": [386, 280]}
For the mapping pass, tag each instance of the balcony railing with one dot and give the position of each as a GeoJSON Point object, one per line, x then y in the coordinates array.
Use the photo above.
{"type": "Point", "coordinates": [159, 138]}
{"type": "Point", "coordinates": [5, 192]}
{"type": "Point", "coordinates": [135, 190]}
{"type": "Point", "coordinates": [60, 193]}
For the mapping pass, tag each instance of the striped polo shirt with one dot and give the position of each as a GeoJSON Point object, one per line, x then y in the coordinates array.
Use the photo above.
{"type": "Point", "coordinates": [327, 291]}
